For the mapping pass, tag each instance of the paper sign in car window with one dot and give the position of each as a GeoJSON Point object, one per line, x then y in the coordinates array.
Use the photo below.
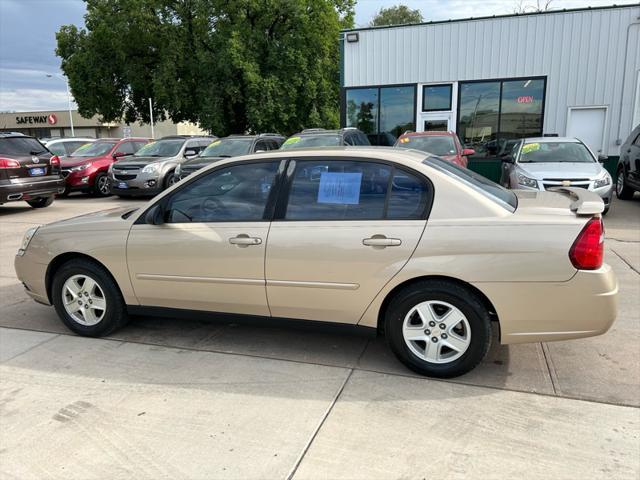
{"type": "Point", "coordinates": [214, 143]}
{"type": "Point", "coordinates": [340, 188]}
{"type": "Point", "coordinates": [530, 147]}
{"type": "Point", "coordinates": [291, 140]}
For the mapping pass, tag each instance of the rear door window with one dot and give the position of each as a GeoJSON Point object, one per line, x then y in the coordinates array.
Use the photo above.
{"type": "Point", "coordinates": [21, 146]}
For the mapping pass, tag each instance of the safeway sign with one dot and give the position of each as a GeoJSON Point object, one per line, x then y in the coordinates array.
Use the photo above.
{"type": "Point", "coordinates": [52, 119]}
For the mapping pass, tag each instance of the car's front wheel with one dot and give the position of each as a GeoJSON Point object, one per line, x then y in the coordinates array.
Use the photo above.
{"type": "Point", "coordinates": [40, 202]}
{"type": "Point", "coordinates": [101, 185]}
{"type": "Point", "coordinates": [623, 191]}
{"type": "Point", "coordinates": [438, 328]}
{"type": "Point", "coordinates": [87, 299]}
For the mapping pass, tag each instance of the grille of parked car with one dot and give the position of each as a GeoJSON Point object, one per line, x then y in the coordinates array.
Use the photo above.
{"type": "Point", "coordinates": [119, 176]}
{"type": "Point", "coordinates": [561, 182]}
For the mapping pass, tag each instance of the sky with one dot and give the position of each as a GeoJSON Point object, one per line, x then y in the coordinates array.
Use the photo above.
{"type": "Point", "coordinates": [28, 27]}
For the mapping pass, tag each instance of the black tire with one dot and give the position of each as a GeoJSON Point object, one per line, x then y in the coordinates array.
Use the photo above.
{"type": "Point", "coordinates": [169, 180]}
{"type": "Point", "coordinates": [101, 186]}
{"type": "Point", "coordinates": [623, 191]}
{"type": "Point", "coordinates": [65, 193]}
{"type": "Point", "coordinates": [40, 202]}
{"type": "Point", "coordinates": [455, 295]}
{"type": "Point", "coordinates": [115, 315]}
{"type": "Point", "coordinates": [605, 211]}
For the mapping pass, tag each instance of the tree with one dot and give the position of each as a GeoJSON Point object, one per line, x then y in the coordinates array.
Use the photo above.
{"type": "Point", "coordinates": [532, 6]}
{"type": "Point", "coordinates": [232, 67]}
{"type": "Point", "coordinates": [397, 15]}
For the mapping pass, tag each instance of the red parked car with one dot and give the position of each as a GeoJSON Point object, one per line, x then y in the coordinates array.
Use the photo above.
{"type": "Point", "coordinates": [86, 168]}
{"type": "Point", "coordinates": [446, 145]}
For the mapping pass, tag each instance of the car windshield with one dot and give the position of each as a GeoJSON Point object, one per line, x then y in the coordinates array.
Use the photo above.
{"type": "Point", "coordinates": [161, 148]}
{"type": "Point", "coordinates": [493, 191]}
{"type": "Point", "coordinates": [308, 141]}
{"type": "Point", "coordinates": [555, 152]}
{"type": "Point", "coordinates": [20, 146]}
{"type": "Point", "coordinates": [228, 147]}
{"type": "Point", "coordinates": [435, 144]}
{"type": "Point", "coordinates": [94, 149]}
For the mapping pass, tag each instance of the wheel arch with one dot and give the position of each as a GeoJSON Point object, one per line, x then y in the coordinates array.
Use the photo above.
{"type": "Point", "coordinates": [426, 278]}
{"type": "Point", "coordinates": [63, 258]}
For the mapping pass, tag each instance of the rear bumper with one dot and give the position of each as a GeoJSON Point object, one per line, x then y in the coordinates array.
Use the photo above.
{"type": "Point", "coordinates": [27, 189]}
{"type": "Point", "coordinates": [584, 306]}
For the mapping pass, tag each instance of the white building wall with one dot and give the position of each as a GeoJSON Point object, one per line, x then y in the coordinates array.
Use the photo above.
{"type": "Point", "coordinates": [582, 54]}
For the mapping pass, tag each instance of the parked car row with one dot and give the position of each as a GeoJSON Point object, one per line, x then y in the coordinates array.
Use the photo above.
{"type": "Point", "coordinates": [141, 167]}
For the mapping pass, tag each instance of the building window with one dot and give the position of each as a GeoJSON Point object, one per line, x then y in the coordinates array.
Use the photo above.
{"type": "Point", "coordinates": [493, 114]}
{"type": "Point", "coordinates": [436, 98]}
{"type": "Point", "coordinates": [382, 113]}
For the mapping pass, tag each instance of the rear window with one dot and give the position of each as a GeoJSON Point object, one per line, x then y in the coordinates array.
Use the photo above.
{"type": "Point", "coordinates": [434, 144]}
{"type": "Point", "coordinates": [21, 146]}
{"type": "Point", "coordinates": [308, 141]}
{"type": "Point", "coordinates": [493, 191]}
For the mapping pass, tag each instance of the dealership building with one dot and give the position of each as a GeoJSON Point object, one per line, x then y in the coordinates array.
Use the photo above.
{"type": "Point", "coordinates": [57, 123]}
{"type": "Point", "coordinates": [494, 79]}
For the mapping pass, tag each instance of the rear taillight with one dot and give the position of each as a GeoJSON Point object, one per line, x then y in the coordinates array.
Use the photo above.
{"type": "Point", "coordinates": [9, 163]}
{"type": "Point", "coordinates": [587, 251]}
{"type": "Point", "coordinates": [54, 161]}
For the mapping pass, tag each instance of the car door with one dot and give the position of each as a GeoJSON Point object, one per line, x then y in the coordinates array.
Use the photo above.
{"type": "Point", "coordinates": [633, 153]}
{"type": "Point", "coordinates": [343, 228]}
{"type": "Point", "coordinates": [209, 252]}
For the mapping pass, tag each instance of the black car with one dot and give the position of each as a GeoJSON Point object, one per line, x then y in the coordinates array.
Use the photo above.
{"type": "Point", "coordinates": [628, 171]}
{"type": "Point", "coordinates": [231, 146]}
{"type": "Point", "coordinates": [28, 171]}
{"type": "Point", "coordinates": [319, 137]}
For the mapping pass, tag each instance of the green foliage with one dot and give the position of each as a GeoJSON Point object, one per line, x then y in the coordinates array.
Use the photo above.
{"type": "Point", "coordinates": [397, 15]}
{"type": "Point", "coordinates": [231, 66]}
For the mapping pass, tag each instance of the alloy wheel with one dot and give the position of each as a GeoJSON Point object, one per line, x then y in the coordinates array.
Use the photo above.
{"type": "Point", "coordinates": [620, 182]}
{"type": "Point", "coordinates": [84, 300]}
{"type": "Point", "coordinates": [103, 185]}
{"type": "Point", "coordinates": [436, 332]}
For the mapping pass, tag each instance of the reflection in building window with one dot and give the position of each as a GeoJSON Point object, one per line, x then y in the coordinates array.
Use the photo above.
{"type": "Point", "coordinates": [493, 114]}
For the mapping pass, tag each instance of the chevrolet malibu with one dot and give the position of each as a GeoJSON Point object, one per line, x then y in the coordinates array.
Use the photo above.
{"type": "Point", "coordinates": [427, 253]}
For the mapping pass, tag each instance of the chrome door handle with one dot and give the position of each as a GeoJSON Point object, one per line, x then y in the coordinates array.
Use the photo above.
{"type": "Point", "coordinates": [245, 240]}
{"type": "Point", "coordinates": [381, 241]}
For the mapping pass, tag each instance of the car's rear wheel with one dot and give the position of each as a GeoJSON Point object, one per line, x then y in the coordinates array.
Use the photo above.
{"type": "Point", "coordinates": [40, 202]}
{"type": "Point", "coordinates": [101, 185]}
{"type": "Point", "coordinates": [623, 191]}
{"type": "Point", "coordinates": [438, 328]}
{"type": "Point", "coordinates": [87, 299]}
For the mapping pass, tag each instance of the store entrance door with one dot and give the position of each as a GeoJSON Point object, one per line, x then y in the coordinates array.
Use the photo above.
{"type": "Point", "coordinates": [435, 122]}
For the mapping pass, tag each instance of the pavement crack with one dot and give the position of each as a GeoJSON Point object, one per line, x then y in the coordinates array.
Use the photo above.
{"type": "Point", "coordinates": [552, 372]}
{"type": "Point", "coordinates": [320, 424]}
{"type": "Point", "coordinates": [31, 348]}
{"type": "Point", "coordinates": [625, 261]}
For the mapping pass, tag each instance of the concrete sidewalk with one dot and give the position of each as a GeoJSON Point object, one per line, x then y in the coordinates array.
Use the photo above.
{"type": "Point", "coordinates": [83, 408]}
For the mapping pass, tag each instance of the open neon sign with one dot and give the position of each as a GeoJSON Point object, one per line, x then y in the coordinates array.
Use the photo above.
{"type": "Point", "coordinates": [525, 99]}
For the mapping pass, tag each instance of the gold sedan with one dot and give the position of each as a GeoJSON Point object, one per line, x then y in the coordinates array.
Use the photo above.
{"type": "Point", "coordinates": [427, 253]}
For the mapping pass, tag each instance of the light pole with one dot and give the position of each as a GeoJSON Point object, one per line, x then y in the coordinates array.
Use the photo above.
{"type": "Point", "coordinates": [73, 134]}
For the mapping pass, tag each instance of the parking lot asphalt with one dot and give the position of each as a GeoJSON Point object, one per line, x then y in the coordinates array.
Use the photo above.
{"type": "Point", "coordinates": [167, 398]}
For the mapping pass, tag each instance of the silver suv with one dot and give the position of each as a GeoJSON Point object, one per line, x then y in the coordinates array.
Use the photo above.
{"type": "Point", "coordinates": [150, 170]}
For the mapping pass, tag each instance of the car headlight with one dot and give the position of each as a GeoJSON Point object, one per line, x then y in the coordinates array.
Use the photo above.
{"type": "Point", "coordinates": [153, 167]}
{"type": "Point", "coordinates": [526, 181]}
{"type": "Point", "coordinates": [603, 181]}
{"type": "Point", "coordinates": [28, 235]}
{"type": "Point", "coordinates": [79, 168]}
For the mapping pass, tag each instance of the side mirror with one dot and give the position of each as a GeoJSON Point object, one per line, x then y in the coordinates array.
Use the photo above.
{"type": "Point", "coordinates": [468, 152]}
{"type": "Point", "coordinates": [602, 158]}
{"type": "Point", "coordinates": [190, 153]}
{"type": "Point", "coordinates": [507, 159]}
{"type": "Point", "coordinates": [155, 215]}
{"type": "Point", "coordinates": [119, 155]}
